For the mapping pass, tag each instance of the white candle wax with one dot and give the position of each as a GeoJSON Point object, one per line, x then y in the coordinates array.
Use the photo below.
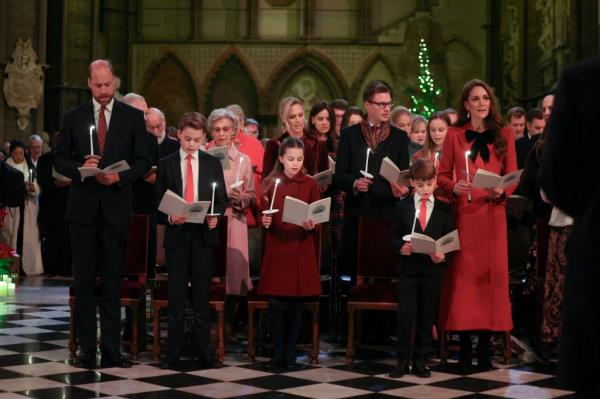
{"type": "Point", "coordinates": [10, 289]}
{"type": "Point", "coordinates": [367, 160]}
{"type": "Point", "coordinates": [437, 159]}
{"type": "Point", "coordinates": [237, 178]}
{"type": "Point", "coordinates": [212, 202]}
{"type": "Point", "coordinates": [467, 162]}
{"type": "Point", "coordinates": [274, 191]}
{"type": "Point", "coordinates": [417, 212]}
{"type": "Point", "coordinates": [91, 140]}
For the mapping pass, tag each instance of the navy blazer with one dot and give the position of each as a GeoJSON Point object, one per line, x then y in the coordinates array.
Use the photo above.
{"type": "Point", "coordinates": [169, 178]}
{"type": "Point", "coordinates": [125, 140]}
{"type": "Point", "coordinates": [439, 224]}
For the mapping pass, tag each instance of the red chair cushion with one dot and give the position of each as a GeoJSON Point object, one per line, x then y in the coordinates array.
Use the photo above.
{"type": "Point", "coordinates": [217, 292]}
{"type": "Point", "coordinates": [373, 292]}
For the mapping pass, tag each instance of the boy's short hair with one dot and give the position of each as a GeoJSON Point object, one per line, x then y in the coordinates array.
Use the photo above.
{"type": "Point", "coordinates": [422, 169]}
{"type": "Point", "coordinates": [195, 120]}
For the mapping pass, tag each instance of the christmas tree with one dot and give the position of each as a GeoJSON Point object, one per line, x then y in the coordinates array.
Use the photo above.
{"type": "Point", "coordinates": [424, 98]}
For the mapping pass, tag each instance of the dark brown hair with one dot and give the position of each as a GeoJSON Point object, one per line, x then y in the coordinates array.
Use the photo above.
{"type": "Point", "coordinates": [422, 169]}
{"type": "Point", "coordinates": [429, 144]}
{"type": "Point", "coordinates": [195, 120]}
{"type": "Point", "coordinates": [348, 113]}
{"type": "Point", "coordinates": [339, 103]}
{"type": "Point", "coordinates": [534, 113]}
{"type": "Point", "coordinates": [290, 142]}
{"type": "Point", "coordinates": [374, 87]}
{"type": "Point", "coordinates": [492, 122]}
{"type": "Point", "coordinates": [514, 112]}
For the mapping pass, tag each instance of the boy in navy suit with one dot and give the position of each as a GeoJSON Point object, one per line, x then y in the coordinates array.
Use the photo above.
{"type": "Point", "coordinates": [419, 275]}
{"type": "Point", "coordinates": [189, 247]}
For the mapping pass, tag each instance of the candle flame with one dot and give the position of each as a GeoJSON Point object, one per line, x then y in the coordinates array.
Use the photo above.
{"type": "Point", "coordinates": [277, 181]}
{"type": "Point", "coordinates": [214, 184]}
{"type": "Point", "coordinates": [468, 153]}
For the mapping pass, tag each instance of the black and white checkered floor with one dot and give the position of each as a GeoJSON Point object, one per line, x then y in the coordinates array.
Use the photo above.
{"type": "Point", "coordinates": [33, 353]}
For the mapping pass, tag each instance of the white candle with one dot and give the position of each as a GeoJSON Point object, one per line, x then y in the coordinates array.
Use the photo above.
{"type": "Point", "coordinates": [91, 140]}
{"type": "Point", "coordinates": [237, 178]}
{"type": "Point", "coordinates": [30, 176]}
{"type": "Point", "coordinates": [10, 289]}
{"type": "Point", "coordinates": [274, 191]}
{"type": "Point", "coordinates": [367, 160]}
{"type": "Point", "coordinates": [417, 212]}
{"type": "Point", "coordinates": [212, 203]}
{"type": "Point", "coordinates": [467, 162]}
{"type": "Point", "coordinates": [437, 159]}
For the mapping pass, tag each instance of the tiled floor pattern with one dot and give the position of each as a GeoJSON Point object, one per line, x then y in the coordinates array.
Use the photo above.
{"type": "Point", "coordinates": [33, 341]}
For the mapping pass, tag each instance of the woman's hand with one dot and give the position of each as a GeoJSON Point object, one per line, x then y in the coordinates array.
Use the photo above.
{"type": "Point", "coordinates": [235, 195]}
{"type": "Point", "coordinates": [212, 221]}
{"type": "Point", "coordinates": [308, 225]}
{"type": "Point", "coordinates": [494, 193]}
{"type": "Point", "coordinates": [463, 187]}
{"type": "Point", "coordinates": [362, 184]}
{"type": "Point", "coordinates": [266, 221]}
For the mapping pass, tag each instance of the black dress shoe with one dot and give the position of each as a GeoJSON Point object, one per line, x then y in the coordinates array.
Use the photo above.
{"type": "Point", "coordinates": [169, 363]}
{"type": "Point", "coordinates": [115, 361]}
{"type": "Point", "coordinates": [400, 369]}
{"type": "Point", "coordinates": [85, 360]}
{"type": "Point", "coordinates": [204, 364]}
{"type": "Point", "coordinates": [420, 370]}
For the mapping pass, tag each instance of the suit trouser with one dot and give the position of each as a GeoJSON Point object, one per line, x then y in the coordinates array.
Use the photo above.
{"type": "Point", "coordinates": [189, 259]}
{"type": "Point", "coordinates": [418, 300]}
{"type": "Point", "coordinates": [98, 245]}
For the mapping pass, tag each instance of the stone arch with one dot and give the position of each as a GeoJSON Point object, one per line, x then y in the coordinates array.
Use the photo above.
{"type": "Point", "coordinates": [463, 63]}
{"type": "Point", "coordinates": [231, 80]}
{"type": "Point", "coordinates": [306, 73]}
{"type": "Point", "coordinates": [375, 67]}
{"type": "Point", "coordinates": [169, 85]}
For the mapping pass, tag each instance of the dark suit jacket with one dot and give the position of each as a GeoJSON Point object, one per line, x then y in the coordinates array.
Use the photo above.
{"type": "Point", "coordinates": [439, 224]}
{"type": "Point", "coordinates": [350, 160]}
{"type": "Point", "coordinates": [12, 186]}
{"type": "Point", "coordinates": [169, 178]}
{"type": "Point", "coordinates": [569, 175]}
{"type": "Point", "coordinates": [144, 195]}
{"type": "Point", "coordinates": [167, 147]}
{"type": "Point", "coordinates": [125, 140]}
{"type": "Point", "coordinates": [53, 199]}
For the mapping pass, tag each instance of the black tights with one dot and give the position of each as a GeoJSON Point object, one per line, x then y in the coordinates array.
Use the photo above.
{"type": "Point", "coordinates": [294, 321]}
{"type": "Point", "coordinates": [483, 347]}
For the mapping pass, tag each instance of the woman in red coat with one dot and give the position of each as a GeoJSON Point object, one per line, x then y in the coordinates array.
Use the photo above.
{"type": "Point", "coordinates": [291, 113]}
{"type": "Point", "coordinates": [290, 269]}
{"type": "Point", "coordinates": [475, 287]}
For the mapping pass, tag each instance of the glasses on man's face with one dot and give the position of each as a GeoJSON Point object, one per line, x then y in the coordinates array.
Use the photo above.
{"type": "Point", "coordinates": [382, 105]}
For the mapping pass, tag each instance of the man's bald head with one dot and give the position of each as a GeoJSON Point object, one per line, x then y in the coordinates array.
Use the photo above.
{"type": "Point", "coordinates": [100, 64]}
{"type": "Point", "coordinates": [101, 81]}
{"type": "Point", "coordinates": [155, 122]}
{"type": "Point", "coordinates": [136, 101]}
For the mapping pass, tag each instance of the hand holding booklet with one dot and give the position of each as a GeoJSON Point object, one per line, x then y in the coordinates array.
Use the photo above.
{"type": "Point", "coordinates": [118, 167]}
{"type": "Point", "coordinates": [297, 212]}
{"type": "Point", "coordinates": [422, 244]}
{"type": "Point", "coordinates": [223, 154]}
{"type": "Point", "coordinates": [324, 178]}
{"type": "Point", "coordinates": [485, 179]}
{"type": "Point", "coordinates": [392, 173]}
{"type": "Point", "coordinates": [173, 205]}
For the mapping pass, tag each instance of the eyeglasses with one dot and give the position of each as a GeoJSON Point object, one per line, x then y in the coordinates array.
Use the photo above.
{"type": "Point", "coordinates": [382, 105]}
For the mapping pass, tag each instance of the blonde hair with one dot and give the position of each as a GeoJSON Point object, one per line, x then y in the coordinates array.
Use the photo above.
{"type": "Point", "coordinates": [284, 107]}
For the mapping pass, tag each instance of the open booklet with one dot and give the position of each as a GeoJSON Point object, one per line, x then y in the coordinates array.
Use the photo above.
{"type": "Point", "coordinates": [392, 173]}
{"type": "Point", "coordinates": [485, 179]}
{"type": "Point", "coordinates": [331, 163]}
{"type": "Point", "coordinates": [173, 205]}
{"type": "Point", "coordinates": [296, 211]}
{"type": "Point", "coordinates": [422, 244]}
{"type": "Point", "coordinates": [223, 154]}
{"type": "Point", "coordinates": [324, 178]}
{"type": "Point", "coordinates": [117, 167]}
{"type": "Point", "coordinates": [58, 176]}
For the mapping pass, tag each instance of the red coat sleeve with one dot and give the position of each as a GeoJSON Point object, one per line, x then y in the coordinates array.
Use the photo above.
{"type": "Point", "coordinates": [445, 175]}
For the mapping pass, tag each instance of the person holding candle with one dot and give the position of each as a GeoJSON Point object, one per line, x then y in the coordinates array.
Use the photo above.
{"type": "Point", "coordinates": [195, 176]}
{"type": "Point", "coordinates": [419, 275]}
{"type": "Point", "coordinates": [477, 277]}
{"type": "Point", "coordinates": [29, 245]}
{"type": "Point", "coordinates": [99, 208]}
{"type": "Point", "coordinates": [290, 267]}
{"type": "Point", "coordinates": [368, 197]}
{"type": "Point", "coordinates": [291, 113]}
{"type": "Point", "coordinates": [416, 135]}
{"type": "Point", "coordinates": [437, 128]}
{"type": "Point", "coordinates": [239, 183]}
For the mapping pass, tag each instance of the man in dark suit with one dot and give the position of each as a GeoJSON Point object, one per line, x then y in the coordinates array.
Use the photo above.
{"type": "Point", "coordinates": [569, 174]}
{"type": "Point", "coordinates": [535, 124]}
{"type": "Point", "coordinates": [99, 209]}
{"type": "Point", "coordinates": [155, 122]}
{"type": "Point", "coordinates": [368, 196]}
{"type": "Point", "coordinates": [190, 173]}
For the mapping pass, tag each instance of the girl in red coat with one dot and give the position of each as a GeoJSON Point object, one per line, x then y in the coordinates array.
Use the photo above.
{"type": "Point", "coordinates": [290, 270]}
{"type": "Point", "coordinates": [475, 286]}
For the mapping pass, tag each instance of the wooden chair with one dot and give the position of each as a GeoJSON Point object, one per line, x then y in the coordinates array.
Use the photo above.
{"type": "Point", "coordinates": [160, 295]}
{"type": "Point", "coordinates": [376, 264]}
{"type": "Point", "coordinates": [133, 284]}
{"type": "Point", "coordinates": [257, 303]}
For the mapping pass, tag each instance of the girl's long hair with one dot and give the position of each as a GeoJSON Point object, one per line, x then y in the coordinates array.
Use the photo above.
{"type": "Point", "coordinates": [290, 142]}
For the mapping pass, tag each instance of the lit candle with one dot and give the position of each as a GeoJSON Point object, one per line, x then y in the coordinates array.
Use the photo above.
{"type": "Point", "coordinates": [417, 212]}
{"type": "Point", "coordinates": [237, 178]}
{"type": "Point", "coordinates": [274, 191]}
{"type": "Point", "coordinates": [3, 288]}
{"type": "Point", "coordinates": [30, 176]}
{"type": "Point", "coordinates": [91, 140]}
{"type": "Point", "coordinates": [10, 289]}
{"type": "Point", "coordinates": [467, 170]}
{"type": "Point", "coordinates": [212, 203]}
{"type": "Point", "coordinates": [367, 160]}
{"type": "Point", "coordinates": [437, 159]}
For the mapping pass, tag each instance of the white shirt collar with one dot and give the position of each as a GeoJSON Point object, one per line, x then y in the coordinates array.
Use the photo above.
{"type": "Point", "coordinates": [183, 155]}
{"type": "Point", "coordinates": [418, 199]}
{"type": "Point", "coordinates": [97, 105]}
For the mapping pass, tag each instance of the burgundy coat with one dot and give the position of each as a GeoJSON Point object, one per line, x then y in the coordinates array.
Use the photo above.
{"type": "Point", "coordinates": [290, 263]}
{"type": "Point", "coordinates": [474, 292]}
{"type": "Point", "coordinates": [315, 154]}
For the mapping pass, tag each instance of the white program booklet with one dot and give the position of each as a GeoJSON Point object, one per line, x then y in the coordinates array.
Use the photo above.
{"type": "Point", "coordinates": [117, 167]}
{"type": "Point", "coordinates": [59, 176]}
{"type": "Point", "coordinates": [331, 163]}
{"type": "Point", "coordinates": [422, 244]}
{"type": "Point", "coordinates": [324, 178]}
{"type": "Point", "coordinates": [392, 173]}
{"type": "Point", "coordinates": [485, 179]}
{"type": "Point", "coordinates": [173, 205]}
{"type": "Point", "coordinates": [296, 211]}
{"type": "Point", "coordinates": [223, 154]}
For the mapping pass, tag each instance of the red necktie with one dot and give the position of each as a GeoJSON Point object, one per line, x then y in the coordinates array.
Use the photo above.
{"type": "Point", "coordinates": [423, 214]}
{"type": "Point", "coordinates": [189, 181]}
{"type": "Point", "coordinates": [101, 129]}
